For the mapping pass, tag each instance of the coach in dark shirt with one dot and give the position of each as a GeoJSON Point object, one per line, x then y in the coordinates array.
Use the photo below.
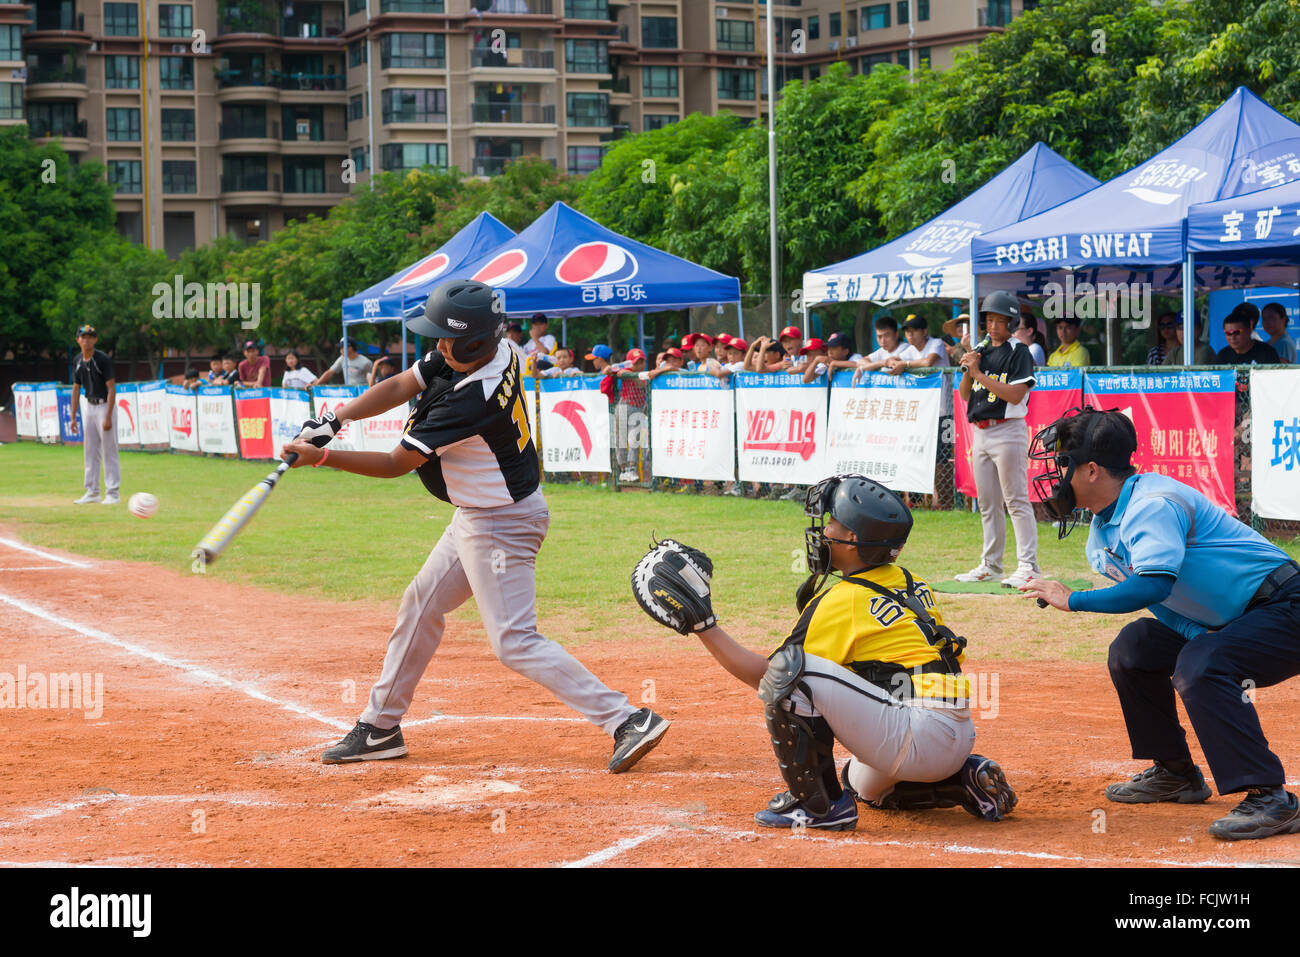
{"type": "Point", "coordinates": [93, 375]}
{"type": "Point", "coordinates": [1241, 348]}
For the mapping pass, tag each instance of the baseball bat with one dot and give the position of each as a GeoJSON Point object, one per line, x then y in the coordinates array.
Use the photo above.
{"type": "Point", "coordinates": [222, 533]}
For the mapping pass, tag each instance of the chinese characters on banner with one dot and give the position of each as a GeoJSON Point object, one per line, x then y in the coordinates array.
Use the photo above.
{"type": "Point", "coordinates": [692, 435]}
{"type": "Point", "coordinates": [151, 405]}
{"type": "Point", "coordinates": [47, 412]}
{"type": "Point", "coordinates": [1275, 443]}
{"type": "Point", "coordinates": [217, 420]}
{"type": "Point", "coordinates": [332, 398]}
{"type": "Point", "coordinates": [290, 408]}
{"type": "Point", "coordinates": [253, 423]}
{"type": "Point", "coordinates": [127, 416]}
{"type": "Point", "coordinates": [66, 435]}
{"type": "Point", "coordinates": [886, 428]}
{"type": "Point", "coordinates": [781, 426]}
{"type": "Point", "coordinates": [182, 406]}
{"type": "Point", "coordinates": [25, 409]}
{"type": "Point", "coordinates": [575, 425]}
{"type": "Point", "coordinates": [1055, 392]}
{"type": "Point", "coordinates": [1184, 423]}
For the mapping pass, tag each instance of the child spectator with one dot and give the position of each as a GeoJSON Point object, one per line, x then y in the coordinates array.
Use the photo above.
{"type": "Point", "coordinates": [563, 364]}
{"type": "Point", "coordinates": [192, 379]}
{"type": "Point", "coordinates": [383, 368]}
{"type": "Point", "coordinates": [214, 370]}
{"type": "Point", "coordinates": [296, 376]}
{"type": "Point", "coordinates": [815, 359]}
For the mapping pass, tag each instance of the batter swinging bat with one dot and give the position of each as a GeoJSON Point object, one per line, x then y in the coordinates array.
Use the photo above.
{"type": "Point", "coordinates": [212, 544]}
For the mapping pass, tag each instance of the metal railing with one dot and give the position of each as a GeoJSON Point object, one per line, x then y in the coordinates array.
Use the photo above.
{"type": "Point", "coordinates": [56, 74]}
{"type": "Point", "coordinates": [244, 131]}
{"type": "Point", "coordinates": [491, 165]}
{"type": "Point", "coordinates": [318, 133]}
{"type": "Point", "coordinates": [513, 113]}
{"type": "Point", "coordinates": [514, 58]}
{"type": "Point", "coordinates": [619, 84]}
{"type": "Point", "coordinates": [43, 128]}
{"type": "Point", "coordinates": [413, 6]}
{"type": "Point", "coordinates": [249, 183]}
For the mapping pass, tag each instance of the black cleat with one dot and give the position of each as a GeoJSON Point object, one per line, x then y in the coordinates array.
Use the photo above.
{"type": "Point", "coordinates": [985, 791]}
{"type": "Point", "coordinates": [635, 738]}
{"type": "Point", "coordinates": [365, 742]}
{"type": "Point", "coordinates": [1157, 783]}
{"type": "Point", "coordinates": [1264, 812]}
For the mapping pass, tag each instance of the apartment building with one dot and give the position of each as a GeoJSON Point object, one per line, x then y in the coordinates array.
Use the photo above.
{"type": "Point", "coordinates": [237, 116]}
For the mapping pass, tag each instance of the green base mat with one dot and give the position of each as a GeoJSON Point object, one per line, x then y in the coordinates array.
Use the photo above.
{"type": "Point", "coordinates": [997, 588]}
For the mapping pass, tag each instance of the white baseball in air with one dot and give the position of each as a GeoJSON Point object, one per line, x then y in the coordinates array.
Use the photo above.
{"type": "Point", "coordinates": [142, 505]}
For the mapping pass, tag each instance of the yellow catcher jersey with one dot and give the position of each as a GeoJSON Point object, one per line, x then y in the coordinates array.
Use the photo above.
{"type": "Point", "coordinates": [847, 623]}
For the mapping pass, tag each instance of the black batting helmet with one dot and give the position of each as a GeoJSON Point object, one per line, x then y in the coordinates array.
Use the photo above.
{"type": "Point", "coordinates": [1004, 304]}
{"type": "Point", "coordinates": [466, 312]}
{"type": "Point", "coordinates": [877, 515]}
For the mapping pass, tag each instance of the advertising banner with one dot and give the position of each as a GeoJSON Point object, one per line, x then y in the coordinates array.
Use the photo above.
{"type": "Point", "coordinates": [575, 425]}
{"type": "Point", "coordinates": [151, 399]}
{"type": "Point", "coordinates": [253, 422]}
{"type": "Point", "coordinates": [182, 409]}
{"type": "Point", "coordinates": [1055, 392]}
{"type": "Point", "coordinates": [25, 409]}
{"type": "Point", "coordinates": [217, 420]}
{"type": "Point", "coordinates": [333, 398]}
{"type": "Point", "coordinates": [693, 428]}
{"type": "Point", "coordinates": [126, 418]}
{"type": "Point", "coordinates": [290, 408]}
{"type": "Point", "coordinates": [1275, 443]}
{"type": "Point", "coordinates": [886, 428]}
{"type": "Point", "coordinates": [1184, 423]}
{"type": "Point", "coordinates": [781, 427]}
{"type": "Point", "coordinates": [382, 432]}
{"type": "Point", "coordinates": [66, 434]}
{"type": "Point", "coordinates": [47, 412]}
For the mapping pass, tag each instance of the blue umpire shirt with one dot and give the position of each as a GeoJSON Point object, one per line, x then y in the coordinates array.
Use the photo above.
{"type": "Point", "coordinates": [1159, 526]}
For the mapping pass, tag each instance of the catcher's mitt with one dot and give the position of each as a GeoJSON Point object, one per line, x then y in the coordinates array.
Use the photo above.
{"type": "Point", "coordinates": [672, 584]}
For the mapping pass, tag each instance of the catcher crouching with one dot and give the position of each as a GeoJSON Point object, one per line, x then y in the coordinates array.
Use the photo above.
{"type": "Point", "coordinates": [869, 663]}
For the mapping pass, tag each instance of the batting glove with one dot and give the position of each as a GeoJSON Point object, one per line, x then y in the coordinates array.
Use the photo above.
{"type": "Point", "coordinates": [320, 431]}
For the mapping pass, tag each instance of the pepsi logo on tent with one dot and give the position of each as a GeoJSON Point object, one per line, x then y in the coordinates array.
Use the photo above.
{"type": "Point", "coordinates": [596, 262]}
{"type": "Point", "coordinates": [503, 268]}
{"type": "Point", "coordinates": [421, 272]}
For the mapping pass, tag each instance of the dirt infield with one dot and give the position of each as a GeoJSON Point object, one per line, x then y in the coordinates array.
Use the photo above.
{"type": "Point", "coordinates": [217, 699]}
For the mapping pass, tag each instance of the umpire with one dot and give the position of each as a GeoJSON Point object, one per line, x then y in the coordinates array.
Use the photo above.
{"type": "Point", "coordinates": [1227, 617]}
{"type": "Point", "coordinates": [93, 374]}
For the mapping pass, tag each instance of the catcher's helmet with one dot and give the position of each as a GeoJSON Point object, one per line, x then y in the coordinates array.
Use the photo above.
{"type": "Point", "coordinates": [466, 312]}
{"type": "Point", "coordinates": [878, 517]}
{"type": "Point", "coordinates": [1004, 304]}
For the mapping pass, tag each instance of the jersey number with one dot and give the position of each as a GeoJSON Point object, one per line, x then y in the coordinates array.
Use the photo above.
{"type": "Point", "coordinates": [520, 418]}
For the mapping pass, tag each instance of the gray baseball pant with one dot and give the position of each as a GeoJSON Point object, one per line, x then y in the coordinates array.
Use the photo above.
{"type": "Point", "coordinates": [489, 553]}
{"type": "Point", "coordinates": [100, 446]}
{"type": "Point", "coordinates": [1000, 461]}
{"type": "Point", "coordinates": [889, 740]}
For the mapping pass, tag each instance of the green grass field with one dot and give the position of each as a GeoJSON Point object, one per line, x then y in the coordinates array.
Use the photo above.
{"type": "Point", "coordinates": [351, 538]}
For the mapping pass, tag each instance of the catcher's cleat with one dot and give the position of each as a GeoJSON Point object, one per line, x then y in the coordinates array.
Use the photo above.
{"type": "Point", "coordinates": [635, 738]}
{"type": "Point", "coordinates": [987, 794]}
{"type": "Point", "coordinates": [1157, 783]}
{"type": "Point", "coordinates": [784, 811]}
{"type": "Point", "coordinates": [365, 742]}
{"type": "Point", "coordinates": [1264, 812]}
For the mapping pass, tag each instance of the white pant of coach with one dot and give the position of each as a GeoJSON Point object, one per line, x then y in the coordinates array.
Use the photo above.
{"type": "Point", "coordinates": [100, 446]}
{"type": "Point", "coordinates": [890, 740]}
{"type": "Point", "coordinates": [489, 553]}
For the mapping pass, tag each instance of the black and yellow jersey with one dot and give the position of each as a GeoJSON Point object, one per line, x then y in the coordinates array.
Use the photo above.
{"type": "Point", "coordinates": [847, 623]}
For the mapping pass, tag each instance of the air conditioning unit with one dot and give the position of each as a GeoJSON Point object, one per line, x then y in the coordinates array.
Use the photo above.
{"type": "Point", "coordinates": [722, 13]}
{"type": "Point", "coordinates": [742, 61]}
{"type": "Point", "coordinates": [514, 56]}
{"type": "Point", "coordinates": [850, 41]}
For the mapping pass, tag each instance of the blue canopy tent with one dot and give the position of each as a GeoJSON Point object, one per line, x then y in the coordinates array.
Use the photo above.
{"type": "Point", "coordinates": [933, 260]}
{"type": "Point", "coordinates": [1259, 230]}
{"type": "Point", "coordinates": [403, 293]}
{"type": "Point", "coordinates": [567, 264]}
{"type": "Point", "coordinates": [1133, 228]}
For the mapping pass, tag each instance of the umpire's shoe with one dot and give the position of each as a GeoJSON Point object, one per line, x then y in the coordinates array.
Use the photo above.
{"type": "Point", "coordinates": [635, 738]}
{"type": "Point", "coordinates": [1157, 783]}
{"type": "Point", "coordinates": [784, 810]}
{"type": "Point", "coordinates": [365, 742]}
{"type": "Point", "coordinates": [1264, 812]}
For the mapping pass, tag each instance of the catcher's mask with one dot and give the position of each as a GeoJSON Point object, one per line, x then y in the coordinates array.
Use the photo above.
{"type": "Point", "coordinates": [1073, 440]}
{"type": "Point", "coordinates": [878, 517]}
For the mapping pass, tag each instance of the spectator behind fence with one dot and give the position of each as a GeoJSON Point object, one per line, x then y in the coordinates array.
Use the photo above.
{"type": "Point", "coordinates": [957, 337]}
{"type": "Point", "coordinates": [563, 364]}
{"type": "Point", "coordinates": [701, 353]}
{"type": "Point", "coordinates": [627, 376]}
{"type": "Point", "coordinates": [1071, 351]}
{"type": "Point", "coordinates": [385, 367]}
{"type": "Point", "coordinates": [296, 376]}
{"type": "Point", "coordinates": [720, 347]}
{"type": "Point", "coordinates": [1202, 354]}
{"type": "Point", "coordinates": [1274, 319]}
{"type": "Point", "coordinates": [1167, 351]}
{"type": "Point", "coordinates": [1251, 312]}
{"type": "Point", "coordinates": [214, 370]}
{"type": "Point", "coordinates": [538, 340]}
{"type": "Point", "coordinates": [734, 353]}
{"type": "Point", "coordinates": [815, 359]}
{"type": "Point", "coordinates": [1027, 332]}
{"type": "Point", "coordinates": [890, 345]}
{"type": "Point", "coordinates": [229, 372]}
{"type": "Point", "coordinates": [924, 350]}
{"type": "Point", "coordinates": [192, 379]}
{"type": "Point", "coordinates": [1241, 348]}
{"type": "Point", "coordinates": [358, 366]}
{"type": "Point", "coordinates": [839, 352]}
{"type": "Point", "coordinates": [255, 370]}
{"type": "Point", "coordinates": [599, 357]}
{"type": "Point", "coordinates": [673, 361]}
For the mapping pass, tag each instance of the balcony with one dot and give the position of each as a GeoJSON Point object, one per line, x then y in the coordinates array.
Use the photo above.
{"type": "Point", "coordinates": [617, 132]}
{"type": "Point", "coordinates": [250, 188]}
{"type": "Point", "coordinates": [512, 113]}
{"type": "Point", "coordinates": [619, 84]}
{"type": "Point", "coordinates": [412, 6]}
{"type": "Point", "coordinates": [491, 165]}
{"type": "Point", "coordinates": [249, 137]}
{"type": "Point", "coordinates": [303, 29]}
{"type": "Point", "coordinates": [514, 58]}
{"type": "Point", "coordinates": [518, 8]}
{"type": "Point", "coordinates": [316, 139]}
{"type": "Point", "coordinates": [249, 17]}
{"type": "Point", "coordinates": [57, 25]}
{"type": "Point", "coordinates": [44, 129]}
{"type": "Point", "coordinates": [60, 82]}
{"type": "Point", "coordinates": [302, 82]}
{"type": "Point", "coordinates": [995, 14]}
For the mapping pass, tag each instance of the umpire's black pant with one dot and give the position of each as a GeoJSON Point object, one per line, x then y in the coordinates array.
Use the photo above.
{"type": "Point", "coordinates": [1214, 675]}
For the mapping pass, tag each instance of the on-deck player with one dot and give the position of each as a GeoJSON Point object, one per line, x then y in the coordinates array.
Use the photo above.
{"type": "Point", "coordinates": [1227, 617]}
{"type": "Point", "coordinates": [468, 438]}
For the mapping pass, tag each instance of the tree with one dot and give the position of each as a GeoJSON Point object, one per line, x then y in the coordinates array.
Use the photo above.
{"type": "Point", "coordinates": [49, 208]}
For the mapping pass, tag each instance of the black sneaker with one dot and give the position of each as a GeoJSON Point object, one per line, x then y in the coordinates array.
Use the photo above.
{"type": "Point", "coordinates": [365, 742]}
{"type": "Point", "coordinates": [1157, 783]}
{"type": "Point", "coordinates": [1264, 812]}
{"type": "Point", "coordinates": [635, 738]}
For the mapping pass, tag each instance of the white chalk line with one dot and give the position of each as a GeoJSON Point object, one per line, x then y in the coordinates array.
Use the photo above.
{"type": "Point", "coordinates": [43, 554]}
{"type": "Point", "coordinates": [45, 812]}
{"type": "Point", "coordinates": [620, 847]}
{"type": "Point", "coordinates": [30, 568]}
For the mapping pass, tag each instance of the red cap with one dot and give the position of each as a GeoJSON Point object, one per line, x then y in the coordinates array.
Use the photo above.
{"type": "Point", "coordinates": [737, 343]}
{"type": "Point", "coordinates": [790, 332]}
{"type": "Point", "coordinates": [724, 338]}
{"type": "Point", "coordinates": [634, 354]}
{"type": "Point", "coordinates": [689, 340]}
{"type": "Point", "coordinates": [673, 352]}
{"type": "Point", "coordinates": [812, 344]}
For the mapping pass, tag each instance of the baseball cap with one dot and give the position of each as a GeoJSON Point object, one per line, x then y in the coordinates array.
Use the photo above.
{"type": "Point", "coordinates": [811, 345]}
{"type": "Point", "coordinates": [735, 342]}
{"type": "Point", "coordinates": [915, 322]}
{"type": "Point", "coordinates": [601, 351]}
{"type": "Point", "coordinates": [514, 327]}
{"type": "Point", "coordinates": [790, 332]}
{"type": "Point", "coordinates": [250, 344]}
{"type": "Point", "coordinates": [724, 338]}
{"type": "Point", "coordinates": [840, 339]}
{"type": "Point", "coordinates": [689, 340]}
{"type": "Point", "coordinates": [673, 352]}
{"type": "Point", "coordinates": [634, 354]}
{"type": "Point", "coordinates": [85, 331]}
